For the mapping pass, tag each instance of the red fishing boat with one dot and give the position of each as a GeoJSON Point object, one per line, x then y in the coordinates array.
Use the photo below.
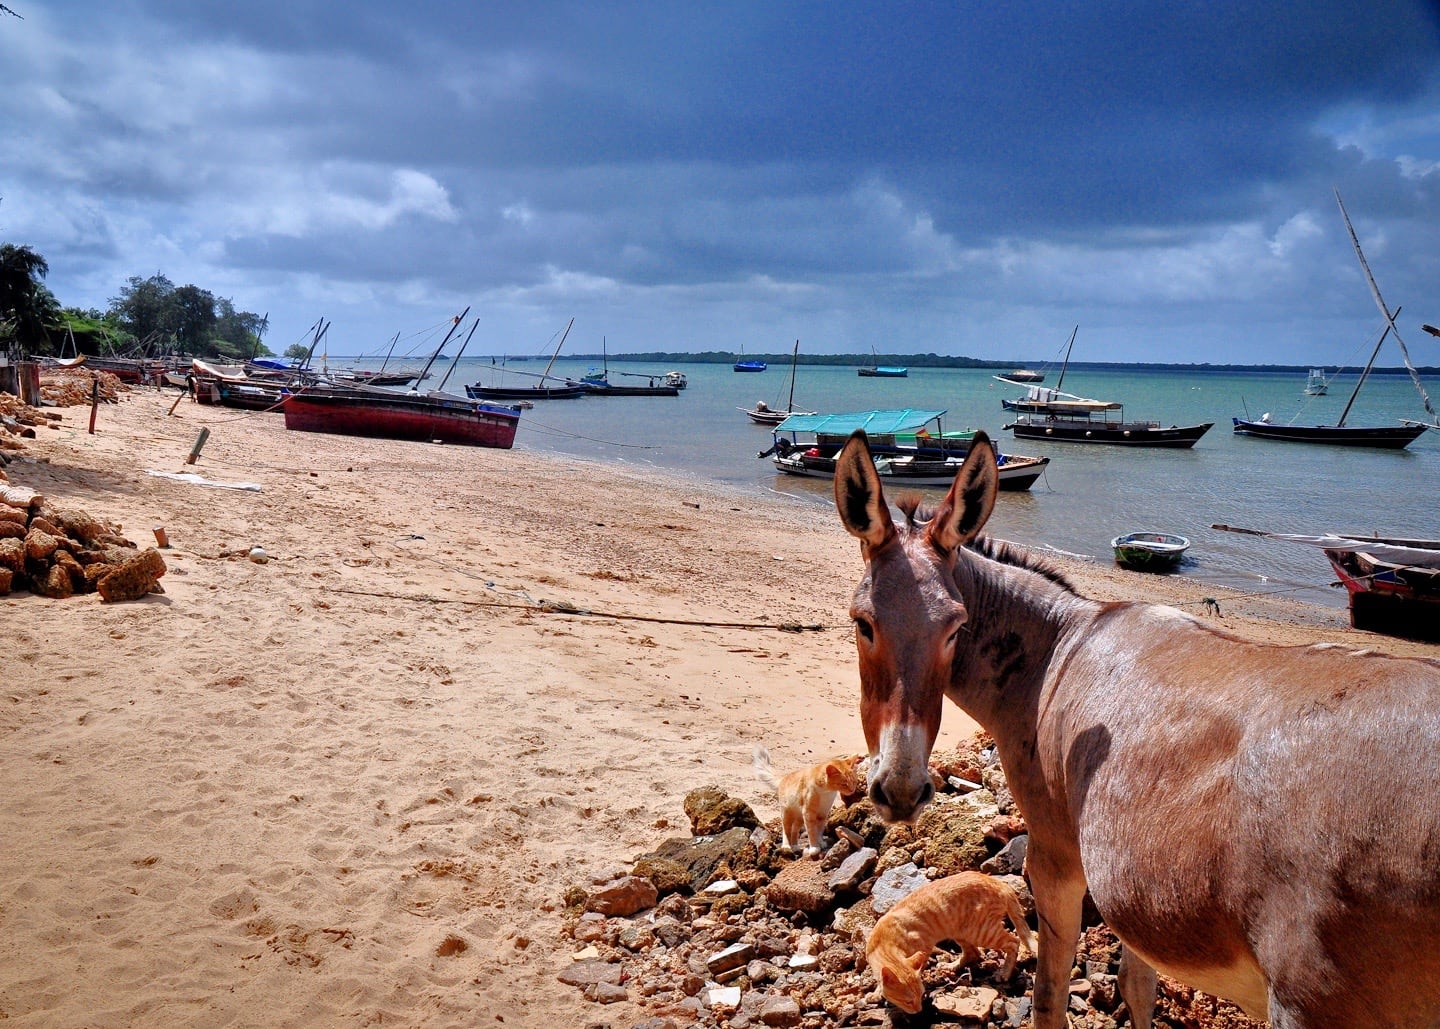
{"type": "Point", "coordinates": [386, 414]}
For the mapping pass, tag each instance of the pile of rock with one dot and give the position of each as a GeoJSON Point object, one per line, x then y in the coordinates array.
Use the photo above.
{"type": "Point", "coordinates": [18, 420]}
{"type": "Point", "coordinates": [58, 553]}
{"type": "Point", "coordinates": [725, 928]}
{"type": "Point", "coordinates": [71, 387]}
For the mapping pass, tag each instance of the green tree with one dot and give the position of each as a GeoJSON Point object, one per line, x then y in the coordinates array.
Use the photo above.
{"type": "Point", "coordinates": [27, 307]}
{"type": "Point", "coordinates": [94, 332]}
{"type": "Point", "coordinates": [238, 333]}
{"type": "Point", "coordinates": [189, 318]}
{"type": "Point", "coordinates": [143, 307]}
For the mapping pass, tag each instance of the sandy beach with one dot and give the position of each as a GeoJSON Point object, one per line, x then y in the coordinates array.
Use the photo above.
{"type": "Point", "coordinates": [350, 783]}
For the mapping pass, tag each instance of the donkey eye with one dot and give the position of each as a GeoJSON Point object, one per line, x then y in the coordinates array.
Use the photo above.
{"type": "Point", "coordinates": [865, 629]}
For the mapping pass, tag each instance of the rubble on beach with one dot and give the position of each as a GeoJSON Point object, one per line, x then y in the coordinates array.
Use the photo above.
{"type": "Point", "coordinates": [56, 551]}
{"type": "Point", "coordinates": [725, 928]}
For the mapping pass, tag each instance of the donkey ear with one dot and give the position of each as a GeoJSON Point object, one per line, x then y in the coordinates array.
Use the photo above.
{"type": "Point", "coordinates": [858, 495]}
{"type": "Point", "coordinates": [967, 506]}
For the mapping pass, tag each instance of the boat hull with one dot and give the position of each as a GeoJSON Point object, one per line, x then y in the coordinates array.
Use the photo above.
{"type": "Point", "coordinates": [750, 366]}
{"type": "Point", "coordinates": [1387, 437]}
{"type": "Point", "coordinates": [478, 392]}
{"type": "Point", "coordinates": [1122, 434]}
{"type": "Point", "coordinates": [402, 417]}
{"type": "Point", "coordinates": [603, 389]}
{"type": "Point", "coordinates": [248, 396]}
{"type": "Point", "coordinates": [1393, 599]}
{"type": "Point", "coordinates": [883, 373]}
{"type": "Point", "coordinates": [1016, 474]}
{"type": "Point", "coordinates": [1149, 551]}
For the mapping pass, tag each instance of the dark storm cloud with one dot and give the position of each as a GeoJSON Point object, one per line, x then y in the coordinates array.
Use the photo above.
{"type": "Point", "coordinates": [1134, 161]}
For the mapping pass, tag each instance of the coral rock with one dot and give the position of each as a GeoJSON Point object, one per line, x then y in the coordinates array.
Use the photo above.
{"type": "Point", "coordinates": [133, 579]}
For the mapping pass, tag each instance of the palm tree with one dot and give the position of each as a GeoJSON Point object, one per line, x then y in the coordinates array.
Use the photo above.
{"type": "Point", "coordinates": [25, 303]}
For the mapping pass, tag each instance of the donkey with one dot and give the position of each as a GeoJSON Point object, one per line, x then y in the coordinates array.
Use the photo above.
{"type": "Point", "coordinates": [1261, 822]}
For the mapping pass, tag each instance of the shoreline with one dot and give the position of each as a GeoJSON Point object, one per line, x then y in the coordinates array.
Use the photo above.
{"type": "Point", "coordinates": [352, 783]}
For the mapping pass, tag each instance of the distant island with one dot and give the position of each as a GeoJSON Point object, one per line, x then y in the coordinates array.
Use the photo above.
{"type": "Point", "coordinates": [945, 361]}
{"type": "Point", "coordinates": [667, 357]}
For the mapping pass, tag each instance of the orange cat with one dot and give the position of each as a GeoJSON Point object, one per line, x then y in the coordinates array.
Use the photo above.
{"type": "Point", "coordinates": [807, 795]}
{"type": "Point", "coordinates": [969, 908]}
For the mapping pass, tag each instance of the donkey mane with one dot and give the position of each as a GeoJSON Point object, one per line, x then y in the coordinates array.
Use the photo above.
{"type": "Point", "coordinates": [917, 513]}
{"type": "Point", "coordinates": [1018, 557]}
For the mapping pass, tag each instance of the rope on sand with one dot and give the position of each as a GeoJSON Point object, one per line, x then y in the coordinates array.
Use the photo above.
{"type": "Point", "coordinates": [560, 607]}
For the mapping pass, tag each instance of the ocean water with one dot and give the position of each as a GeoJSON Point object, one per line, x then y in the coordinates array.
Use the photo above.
{"type": "Point", "coordinates": [1090, 493]}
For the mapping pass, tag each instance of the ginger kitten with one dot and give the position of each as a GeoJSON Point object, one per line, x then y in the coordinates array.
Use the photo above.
{"type": "Point", "coordinates": [968, 908]}
{"type": "Point", "coordinates": [808, 794]}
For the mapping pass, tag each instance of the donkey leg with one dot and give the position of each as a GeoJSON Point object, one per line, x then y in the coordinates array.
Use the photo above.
{"type": "Point", "coordinates": [1137, 986]}
{"type": "Point", "coordinates": [1058, 901]}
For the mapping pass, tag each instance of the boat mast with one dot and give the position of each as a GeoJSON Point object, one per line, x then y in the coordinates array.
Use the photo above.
{"type": "Point", "coordinates": [546, 373]}
{"type": "Point", "coordinates": [441, 388]}
{"type": "Point", "coordinates": [1389, 318]}
{"type": "Point", "coordinates": [385, 362]}
{"type": "Point", "coordinates": [1365, 374]}
{"type": "Point", "coordinates": [321, 327]}
{"type": "Point", "coordinates": [794, 356]}
{"type": "Point", "coordinates": [453, 326]}
{"type": "Point", "coordinates": [1066, 363]}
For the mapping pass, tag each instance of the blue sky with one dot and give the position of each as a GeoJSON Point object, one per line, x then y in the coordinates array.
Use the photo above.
{"type": "Point", "coordinates": [956, 177]}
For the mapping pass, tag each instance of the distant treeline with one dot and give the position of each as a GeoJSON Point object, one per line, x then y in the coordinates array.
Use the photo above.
{"type": "Point", "coordinates": [945, 361]}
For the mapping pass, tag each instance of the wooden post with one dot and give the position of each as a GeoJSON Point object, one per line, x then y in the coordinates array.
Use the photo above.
{"type": "Point", "coordinates": [94, 401]}
{"type": "Point", "coordinates": [176, 404]}
{"type": "Point", "coordinates": [199, 442]}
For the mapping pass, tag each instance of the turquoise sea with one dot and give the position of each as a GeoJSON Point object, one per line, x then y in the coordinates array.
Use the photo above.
{"type": "Point", "coordinates": [1089, 493]}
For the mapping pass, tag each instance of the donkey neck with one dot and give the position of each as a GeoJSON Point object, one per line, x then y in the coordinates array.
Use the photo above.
{"type": "Point", "coordinates": [1023, 619]}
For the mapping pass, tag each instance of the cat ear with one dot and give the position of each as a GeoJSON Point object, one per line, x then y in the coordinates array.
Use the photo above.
{"type": "Point", "coordinates": [918, 959]}
{"type": "Point", "coordinates": [888, 978]}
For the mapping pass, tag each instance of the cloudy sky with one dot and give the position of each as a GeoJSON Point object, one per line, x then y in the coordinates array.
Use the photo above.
{"type": "Point", "coordinates": [957, 177]}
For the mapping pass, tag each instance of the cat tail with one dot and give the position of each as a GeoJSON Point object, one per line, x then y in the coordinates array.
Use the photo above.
{"type": "Point", "coordinates": [760, 761]}
{"type": "Point", "coordinates": [1022, 927]}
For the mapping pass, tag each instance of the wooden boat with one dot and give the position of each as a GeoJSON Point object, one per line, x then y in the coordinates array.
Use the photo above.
{"type": "Point", "coordinates": [1387, 437]}
{"type": "Point", "coordinates": [763, 414]}
{"type": "Point", "coordinates": [568, 391]}
{"type": "Point", "coordinates": [251, 396]}
{"type": "Point", "coordinates": [1149, 551]}
{"type": "Point", "coordinates": [377, 412]}
{"type": "Point", "coordinates": [1022, 376]}
{"type": "Point", "coordinates": [1046, 413]}
{"type": "Point", "coordinates": [598, 383]}
{"type": "Point", "coordinates": [134, 370]}
{"type": "Point", "coordinates": [365, 377]}
{"type": "Point", "coordinates": [910, 448]}
{"type": "Point", "coordinates": [877, 370]}
{"type": "Point", "coordinates": [388, 414]}
{"type": "Point", "coordinates": [549, 387]}
{"type": "Point", "coordinates": [1391, 437]}
{"type": "Point", "coordinates": [1393, 583]}
{"type": "Point", "coordinates": [1117, 431]}
{"type": "Point", "coordinates": [881, 371]}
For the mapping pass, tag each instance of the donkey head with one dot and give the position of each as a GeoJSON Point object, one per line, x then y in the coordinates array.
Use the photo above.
{"type": "Point", "coordinates": [908, 614]}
